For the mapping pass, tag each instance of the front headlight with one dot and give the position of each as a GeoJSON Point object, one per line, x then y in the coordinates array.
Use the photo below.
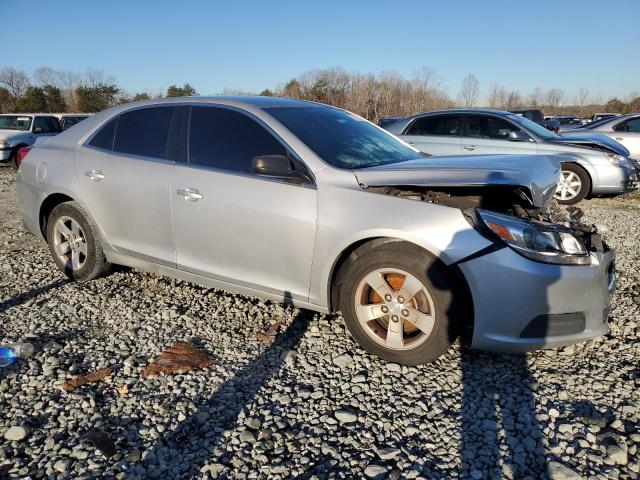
{"type": "Point", "coordinates": [3, 142]}
{"type": "Point", "coordinates": [616, 159]}
{"type": "Point", "coordinates": [538, 241]}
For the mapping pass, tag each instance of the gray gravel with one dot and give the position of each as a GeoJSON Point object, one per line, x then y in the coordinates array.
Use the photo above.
{"type": "Point", "coordinates": [310, 403]}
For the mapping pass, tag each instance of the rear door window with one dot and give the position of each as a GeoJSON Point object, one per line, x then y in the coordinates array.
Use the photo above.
{"type": "Point", "coordinates": [104, 137]}
{"type": "Point", "coordinates": [493, 128]}
{"type": "Point", "coordinates": [144, 132]}
{"type": "Point", "coordinates": [41, 125]}
{"type": "Point", "coordinates": [447, 125]}
{"type": "Point", "coordinates": [632, 125]}
{"type": "Point", "coordinates": [229, 140]}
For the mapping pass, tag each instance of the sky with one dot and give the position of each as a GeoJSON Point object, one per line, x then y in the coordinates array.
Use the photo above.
{"type": "Point", "coordinates": [249, 46]}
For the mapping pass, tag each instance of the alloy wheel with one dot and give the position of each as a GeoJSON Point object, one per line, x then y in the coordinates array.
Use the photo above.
{"type": "Point", "coordinates": [394, 308]}
{"type": "Point", "coordinates": [69, 242]}
{"type": "Point", "coordinates": [569, 186]}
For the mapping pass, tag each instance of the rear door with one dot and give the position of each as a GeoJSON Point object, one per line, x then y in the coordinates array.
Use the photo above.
{"type": "Point", "coordinates": [124, 172]}
{"type": "Point", "coordinates": [628, 134]}
{"type": "Point", "coordinates": [487, 134]}
{"type": "Point", "coordinates": [233, 225]}
{"type": "Point", "coordinates": [435, 134]}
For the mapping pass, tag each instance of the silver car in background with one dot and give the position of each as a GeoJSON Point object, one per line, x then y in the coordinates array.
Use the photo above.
{"type": "Point", "coordinates": [624, 129]}
{"type": "Point", "coordinates": [311, 205]}
{"type": "Point", "coordinates": [593, 164]}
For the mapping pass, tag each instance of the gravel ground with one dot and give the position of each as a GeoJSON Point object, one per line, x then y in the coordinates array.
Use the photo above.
{"type": "Point", "coordinates": [308, 403]}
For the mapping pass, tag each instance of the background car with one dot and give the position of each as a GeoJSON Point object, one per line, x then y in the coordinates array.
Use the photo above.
{"type": "Point", "coordinates": [538, 117]}
{"type": "Point", "coordinates": [594, 164]}
{"type": "Point", "coordinates": [19, 130]}
{"type": "Point", "coordinates": [70, 119]}
{"type": "Point", "coordinates": [308, 204]}
{"type": "Point", "coordinates": [624, 129]}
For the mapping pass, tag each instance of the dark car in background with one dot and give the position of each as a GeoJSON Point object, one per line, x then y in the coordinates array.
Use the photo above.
{"type": "Point", "coordinates": [537, 116]}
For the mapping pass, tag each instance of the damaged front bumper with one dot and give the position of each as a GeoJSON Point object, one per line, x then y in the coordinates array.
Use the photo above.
{"type": "Point", "coordinates": [521, 305]}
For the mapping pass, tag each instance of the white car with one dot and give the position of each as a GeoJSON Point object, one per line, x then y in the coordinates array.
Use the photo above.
{"type": "Point", "coordinates": [624, 129]}
{"type": "Point", "coordinates": [19, 130]}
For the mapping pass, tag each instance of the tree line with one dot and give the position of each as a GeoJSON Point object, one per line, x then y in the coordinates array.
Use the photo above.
{"type": "Point", "coordinates": [62, 91]}
{"type": "Point", "coordinates": [367, 94]}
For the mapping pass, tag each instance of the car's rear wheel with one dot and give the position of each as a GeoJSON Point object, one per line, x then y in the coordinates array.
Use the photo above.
{"type": "Point", "coordinates": [397, 302]}
{"type": "Point", "coordinates": [74, 243]}
{"type": "Point", "coordinates": [574, 184]}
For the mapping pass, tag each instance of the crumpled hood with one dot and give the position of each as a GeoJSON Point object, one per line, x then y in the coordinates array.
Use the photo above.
{"type": "Point", "coordinates": [593, 140]}
{"type": "Point", "coordinates": [537, 173]}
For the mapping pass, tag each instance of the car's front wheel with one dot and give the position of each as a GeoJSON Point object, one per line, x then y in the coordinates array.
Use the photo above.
{"type": "Point", "coordinates": [398, 303]}
{"type": "Point", "coordinates": [574, 184]}
{"type": "Point", "coordinates": [74, 243]}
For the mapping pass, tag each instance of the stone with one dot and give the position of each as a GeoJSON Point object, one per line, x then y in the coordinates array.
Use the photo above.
{"type": "Point", "coordinates": [388, 453]}
{"type": "Point", "coordinates": [17, 433]}
{"type": "Point", "coordinates": [376, 472]}
{"type": "Point", "coordinates": [346, 416]}
{"type": "Point", "coordinates": [247, 436]}
{"type": "Point", "coordinates": [559, 471]}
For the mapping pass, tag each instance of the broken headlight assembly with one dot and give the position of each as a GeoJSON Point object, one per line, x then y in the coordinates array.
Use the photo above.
{"type": "Point", "coordinates": [616, 160]}
{"type": "Point", "coordinates": [542, 242]}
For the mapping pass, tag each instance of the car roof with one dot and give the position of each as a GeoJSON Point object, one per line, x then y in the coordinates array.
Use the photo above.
{"type": "Point", "coordinates": [255, 101]}
{"type": "Point", "coordinates": [28, 114]}
{"type": "Point", "coordinates": [487, 111]}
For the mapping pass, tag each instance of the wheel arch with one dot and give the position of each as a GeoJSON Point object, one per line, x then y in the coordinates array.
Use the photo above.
{"type": "Point", "coordinates": [354, 250]}
{"type": "Point", "coordinates": [589, 170]}
{"type": "Point", "coordinates": [47, 206]}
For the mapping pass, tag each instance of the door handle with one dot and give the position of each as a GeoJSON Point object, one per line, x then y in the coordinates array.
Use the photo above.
{"type": "Point", "coordinates": [619, 139]}
{"type": "Point", "coordinates": [190, 194]}
{"type": "Point", "coordinates": [95, 175]}
{"type": "Point", "coordinates": [469, 147]}
{"type": "Point", "coordinates": [411, 143]}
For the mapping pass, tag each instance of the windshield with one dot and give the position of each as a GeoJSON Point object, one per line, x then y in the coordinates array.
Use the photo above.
{"type": "Point", "coordinates": [597, 123]}
{"type": "Point", "coordinates": [537, 130]}
{"type": "Point", "coordinates": [342, 139]}
{"type": "Point", "coordinates": [15, 122]}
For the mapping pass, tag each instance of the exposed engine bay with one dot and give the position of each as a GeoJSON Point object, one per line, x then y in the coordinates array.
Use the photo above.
{"type": "Point", "coordinates": [510, 200]}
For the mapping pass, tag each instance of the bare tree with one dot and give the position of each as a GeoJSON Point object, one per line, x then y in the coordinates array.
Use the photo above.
{"type": "Point", "coordinates": [44, 76]}
{"type": "Point", "coordinates": [535, 98]}
{"type": "Point", "coordinates": [553, 99]}
{"type": "Point", "coordinates": [469, 91]}
{"type": "Point", "coordinates": [15, 81]}
{"type": "Point", "coordinates": [496, 98]}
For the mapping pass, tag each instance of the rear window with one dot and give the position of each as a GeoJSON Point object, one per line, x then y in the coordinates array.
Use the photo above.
{"type": "Point", "coordinates": [448, 125]}
{"type": "Point", "coordinates": [144, 132]}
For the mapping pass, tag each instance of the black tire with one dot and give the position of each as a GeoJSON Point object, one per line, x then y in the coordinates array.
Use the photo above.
{"type": "Point", "coordinates": [585, 183]}
{"type": "Point", "coordinates": [95, 263]}
{"type": "Point", "coordinates": [13, 158]}
{"type": "Point", "coordinates": [439, 281]}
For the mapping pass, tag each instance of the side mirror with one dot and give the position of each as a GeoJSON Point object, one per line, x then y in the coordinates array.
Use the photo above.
{"type": "Point", "coordinates": [277, 166]}
{"type": "Point", "coordinates": [37, 130]}
{"type": "Point", "coordinates": [518, 136]}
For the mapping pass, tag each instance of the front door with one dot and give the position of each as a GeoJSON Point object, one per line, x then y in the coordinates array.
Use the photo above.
{"type": "Point", "coordinates": [486, 134]}
{"type": "Point", "coordinates": [233, 225]}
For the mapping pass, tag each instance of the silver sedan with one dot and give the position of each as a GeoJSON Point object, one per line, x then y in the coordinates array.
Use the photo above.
{"type": "Point", "coordinates": [311, 205]}
{"type": "Point", "coordinates": [624, 129]}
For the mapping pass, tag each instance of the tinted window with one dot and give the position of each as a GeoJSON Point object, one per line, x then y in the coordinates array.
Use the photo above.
{"type": "Point", "coordinates": [42, 124]}
{"type": "Point", "coordinates": [226, 139]}
{"type": "Point", "coordinates": [104, 137]}
{"type": "Point", "coordinates": [54, 125]}
{"type": "Point", "coordinates": [632, 125]}
{"type": "Point", "coordinates": [144, 132]}
{"type": "Point", "coordinates": [478, 126]}
{"type": "Point", "coordinates": [437, 125]}
{"type": "Point", "coordinates": [341, 138]}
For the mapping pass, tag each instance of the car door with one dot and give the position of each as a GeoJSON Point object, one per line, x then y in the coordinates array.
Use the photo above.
{"type": "Point", "coordinates": [435, 134]}
{"type": "Point", "coordinates": [488, 134]}
{"type": "Point", "coordinates": [628, 134]}
{"type": "Point", "coordinates": [124, 172]}
{"type": "Point", "coordinates": [231, 224]}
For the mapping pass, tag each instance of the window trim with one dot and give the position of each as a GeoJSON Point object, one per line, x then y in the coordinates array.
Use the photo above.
{"type": "Point", "coordinates": [613, 129]}
{"type": "Point", "coordinates": [410, 124]}
{"type": "Point", "coordinates": [185, 142]}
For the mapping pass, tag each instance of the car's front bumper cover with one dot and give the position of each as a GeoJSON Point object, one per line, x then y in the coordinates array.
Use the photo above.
{"type": "Point", "coordinates": [521, 305]}
{"type": "Point", "coordinates": [5, 153]}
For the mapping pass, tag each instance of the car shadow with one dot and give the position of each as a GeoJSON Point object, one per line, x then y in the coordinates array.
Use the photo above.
{"type": "Point", "coordinates": [190, 443]}
{"type": "Point", "coordinates": [31, 294]}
